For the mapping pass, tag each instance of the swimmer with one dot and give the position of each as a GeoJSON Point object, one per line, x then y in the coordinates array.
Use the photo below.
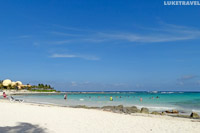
{"type": "Point", "coordinates": [140, 99]}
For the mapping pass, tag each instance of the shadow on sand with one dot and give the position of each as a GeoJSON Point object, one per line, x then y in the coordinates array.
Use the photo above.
{"type": "Point", "coordinates": [23, 128]}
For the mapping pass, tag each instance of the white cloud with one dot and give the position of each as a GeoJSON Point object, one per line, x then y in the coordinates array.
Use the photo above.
{"type": "Point", "coordinates": [163, 33]}
{"type": "Point", "coordinates": [60, 42]}
{"type": "Point", "coordinates": [86, 57]}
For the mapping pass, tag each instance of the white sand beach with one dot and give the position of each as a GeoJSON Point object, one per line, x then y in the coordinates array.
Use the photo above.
{"type": "Point", "coordinates": [30, 118]}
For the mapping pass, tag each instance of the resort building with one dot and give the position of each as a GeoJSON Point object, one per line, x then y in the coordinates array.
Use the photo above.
{"type": "Point", "coordinates": [7, 82]}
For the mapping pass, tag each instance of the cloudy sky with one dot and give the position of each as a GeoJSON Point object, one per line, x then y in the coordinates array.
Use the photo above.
{"type": "Point", "coordinates": [101, 45]}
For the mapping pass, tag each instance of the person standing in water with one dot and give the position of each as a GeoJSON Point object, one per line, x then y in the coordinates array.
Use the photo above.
{"type": "Point", "coordinates": [141, 99]}
{"type": "Point", "coordinates": [111, 99]}
{"type": "Point", "coordinates": [65, 96]}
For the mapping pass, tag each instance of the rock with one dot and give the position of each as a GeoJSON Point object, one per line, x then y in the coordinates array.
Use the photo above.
{"type": "Point", "coordinates": [144, 110]}
{"type": "Point", "coordinates": [163, 113]}
{"type": "Point", "coordinates": [155, 113]}
{"type": "Point", "coordinates": [172, 112]}
{"type": "Point", "coordinates": [129, 110]}
{"type": "Point", "coordinates": [108, 108]}
{"type": "Point", "coordinates": [167, 111]}
{"type": "Point", "coordinates": [194, 115]}
{"type": "Point", "coordinates": [119, 108]}
{"type": "Point", "coordinates": [175, 111]}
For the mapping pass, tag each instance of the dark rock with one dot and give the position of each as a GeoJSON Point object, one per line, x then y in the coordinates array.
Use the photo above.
{"type": "Point", "coordinates": [194, 115]}
{"type": "Point", "coordinates": [167, 111]}
{"type": "Point", "coordinates": [155, 113]}
{"type": "Point", "coordinates": [119, 108]}
{"type": "Point", "coordinates": [172, 112]}
{"type": "Point", "coordinates": [129, 110]}
{"type": "Point", "coordinates": [144, 110]}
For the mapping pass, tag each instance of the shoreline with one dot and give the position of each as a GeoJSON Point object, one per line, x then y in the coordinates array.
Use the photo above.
{"type": "Point", "coordinates": [24, 92]}
{"type": "Point", "coordinates": [112, 108]}
{"type": "Point", "coordinates": [87, 120]}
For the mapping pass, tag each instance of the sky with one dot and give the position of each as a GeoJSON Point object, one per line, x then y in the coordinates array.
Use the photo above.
{"type": "Point", "coordinates": [107, 45]}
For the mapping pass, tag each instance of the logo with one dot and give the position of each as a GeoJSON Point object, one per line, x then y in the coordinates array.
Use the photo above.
{"type": "Point", "coordinates": [182, 3]}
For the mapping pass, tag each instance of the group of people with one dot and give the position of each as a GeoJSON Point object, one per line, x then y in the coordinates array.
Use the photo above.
{"type": "Point", "coordinates": [111, 98]}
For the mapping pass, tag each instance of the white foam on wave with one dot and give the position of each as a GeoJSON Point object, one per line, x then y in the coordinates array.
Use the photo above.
{"type": "Point", "coordinates": [38, 102]}
{"type": "Point", "coordinates": [156, 108]}
{"type": "Point", "coordinates": [193, 110]}
{"type": "Point", "coordinates": [167, 92]}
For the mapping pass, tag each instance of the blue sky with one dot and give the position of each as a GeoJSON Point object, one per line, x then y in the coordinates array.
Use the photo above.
{"type": "Point", "coordinates": [101, 45]}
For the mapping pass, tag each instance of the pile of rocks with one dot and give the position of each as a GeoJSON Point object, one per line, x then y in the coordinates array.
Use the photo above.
{"type": "Point", "coordinates": [134, 109]}
{"type": "Point", "coordinates": [126, 110]}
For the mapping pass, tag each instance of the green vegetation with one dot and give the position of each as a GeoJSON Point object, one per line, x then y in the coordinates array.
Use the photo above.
{"type": "Point", "coordinates": [42, 88]}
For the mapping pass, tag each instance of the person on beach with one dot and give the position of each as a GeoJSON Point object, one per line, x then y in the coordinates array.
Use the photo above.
{"type": "Point", "coordinates": [4, 95]}
{"type": "Point", "coordinates": [65, 96]}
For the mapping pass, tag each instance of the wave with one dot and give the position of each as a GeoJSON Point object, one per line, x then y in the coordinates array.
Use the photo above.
{"type": "Point", "coordinates": [167, 92]}
{"type": "Point", "coordinates": [156, 108]}
{"type": "Point", "coordinates": [37, 102]}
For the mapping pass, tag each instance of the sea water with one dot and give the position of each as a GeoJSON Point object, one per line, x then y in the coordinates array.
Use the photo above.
{"type": "Point", "coordinates": [155, 101]}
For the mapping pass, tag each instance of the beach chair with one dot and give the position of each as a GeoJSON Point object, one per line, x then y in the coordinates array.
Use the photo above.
{"type": "Point", "coordinates": [12, 99]}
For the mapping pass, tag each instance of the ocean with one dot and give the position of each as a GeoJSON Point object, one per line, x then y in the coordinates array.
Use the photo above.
{"type": "Point", "coordinates": [185, 102]}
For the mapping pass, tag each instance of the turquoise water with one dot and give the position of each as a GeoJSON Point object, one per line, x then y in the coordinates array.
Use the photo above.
{"type": "Point", "coordinates": [182, 101]}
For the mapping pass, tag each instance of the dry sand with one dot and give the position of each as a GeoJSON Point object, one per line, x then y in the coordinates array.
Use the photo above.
{"type": "Point", "coordinates": [23, 117]}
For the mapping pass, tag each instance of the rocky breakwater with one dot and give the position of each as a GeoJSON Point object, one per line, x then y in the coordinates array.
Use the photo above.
{"type": "Point", "coordinates": [133, 109]}
{"type": "Point", "coordinates": [121, 109]}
